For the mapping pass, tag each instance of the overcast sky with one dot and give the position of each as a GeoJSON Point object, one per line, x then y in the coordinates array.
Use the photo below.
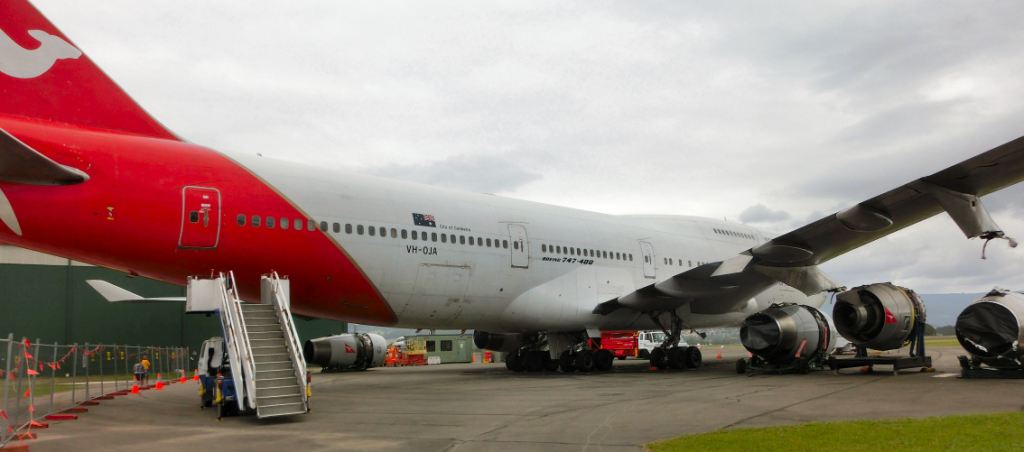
{"type": "Point", "coordinates": [773, 113]}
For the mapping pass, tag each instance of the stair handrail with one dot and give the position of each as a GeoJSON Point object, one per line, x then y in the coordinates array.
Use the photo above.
{"type": "Point", "coordinates": [284, 314]}
{"type": "Point", "coordinates": [232, 305]}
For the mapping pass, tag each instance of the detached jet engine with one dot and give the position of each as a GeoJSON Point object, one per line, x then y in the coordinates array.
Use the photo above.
{"type": "Point", "coordinates": [991, 330]}
{"type": "Point", "coordinates": [786, 337]}
{"type": "Point", "coordinates": [349, 351]}
{"type": "Point", "coordinates": [880, 316]}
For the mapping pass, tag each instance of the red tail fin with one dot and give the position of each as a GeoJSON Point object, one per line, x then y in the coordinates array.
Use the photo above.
{"type": "Point", "coordinates": [44, 76]}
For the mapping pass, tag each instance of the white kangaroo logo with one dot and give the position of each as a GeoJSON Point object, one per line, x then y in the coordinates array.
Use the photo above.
{"type": "Point", "coordinates": [20, 62]}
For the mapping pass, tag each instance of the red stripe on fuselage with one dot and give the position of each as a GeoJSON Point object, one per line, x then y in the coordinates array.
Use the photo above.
{"type": "Point", "coordinates": [128, 216]}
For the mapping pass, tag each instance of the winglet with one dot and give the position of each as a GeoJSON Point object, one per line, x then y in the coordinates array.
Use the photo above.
{"type": "Point", "coordinates": [115, 294]}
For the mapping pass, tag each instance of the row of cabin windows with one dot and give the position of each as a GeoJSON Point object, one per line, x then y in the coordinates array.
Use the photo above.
{"type": "Point", "coordinates": [679, 262]}
{"type": "Point", "coordinates": [374, 231]}
{"type": "Point", "coordinates": [586, 252]}
{"type": "Point", "coordinates": [729, 233]}
{"type": "Point", "coordinates": [395, 233]}
{"type": "Point", "coordinates": [269, 222]}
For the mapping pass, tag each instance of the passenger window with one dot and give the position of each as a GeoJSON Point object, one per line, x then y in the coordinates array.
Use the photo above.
{"type": "Point", "coordinates": [504, 244]}
{"type": "Point", "coordinates": [488, 242]}
{"type": "Point", "coordinates": [415, 235]}
{"type": "Point", "coordinates": [515, 245]}
{"type": "Point", "coordinates": [241, 219]}
{"type": "Point", "coordinates": [359, 229]}
{"type": "Point", "coordinates": [372, 231]}
{"type": "Point", "coordinates": [336, 227]}
{"type": "Point", "coordinates": [471, 240]}
{"type": "Point", "coordinates": [284, 223]}
{"type": "Point", "coordinates": [270, 222]}
{"type": "Point", "coordinates": [255, 221]}
{"type": "Point", "coordinates": [394, 233]}
{"type": "Point", "coordinates": [298, 224]}
{"type": "Point", "coordinates": [631, 257]}
{"type": "Point", "coordinates": [433, 236]}
{"type": "Point", "coordinates": [604, 254]}
{"type": "Point", "coordinates": [572, 252]}
{"type": "Point", "coordinates": [543, 248]}
{"type": "Point", "coordinates": [311, 225]}
{"type": "Point", "coordinates": [618, 257]}
{"type": "Point", "coordinates": [405, 234]}
{"type": "Point", "coordinates": [479, 241]}
{"type": "Point", "coordinates": [348, 228]}
{"type": "Point", "coordinates": [323, 226]}
{"type": "Point", "coordinates": [444, 238]}
{"type": "Point", "coordinates": [462, 240]}
{"type": "Point", "coordinates": [424, 236]}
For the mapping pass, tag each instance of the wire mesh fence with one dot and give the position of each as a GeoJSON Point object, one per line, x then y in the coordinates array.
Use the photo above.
{"type": "Point", "coordinates": [42, 379]}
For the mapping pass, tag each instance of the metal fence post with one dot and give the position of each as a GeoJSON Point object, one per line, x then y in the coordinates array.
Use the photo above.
{"type": "Point", "coordinates": [17, 392]}
{"type": "Point", "coordinates": [32, 382]}
{"type": "Point", "coordinates": [53, 377]}
{"type": "Point", "coordinates": [103, 390]}
{"type": "Point", "coordinates": [74, 374]}
{"type": "Point", "coordinates": [85, 363]}
{"type": "Point", "coordinates": [6, 379]}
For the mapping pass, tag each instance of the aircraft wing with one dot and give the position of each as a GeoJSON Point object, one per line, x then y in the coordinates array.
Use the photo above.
{"type": "Point", "coordinates": [792, 258]}
{"type": "Point", "coordinates": [21, 164]}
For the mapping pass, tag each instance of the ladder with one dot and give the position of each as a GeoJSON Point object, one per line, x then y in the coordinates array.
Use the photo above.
{"type": "Point", "coordinates": [263, 345]}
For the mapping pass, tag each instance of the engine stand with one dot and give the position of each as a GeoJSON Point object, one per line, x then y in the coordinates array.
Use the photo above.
{"type": "Point", "coordinates": [917, 357]}
{"type": "Point", "coordinates": [973, 368]}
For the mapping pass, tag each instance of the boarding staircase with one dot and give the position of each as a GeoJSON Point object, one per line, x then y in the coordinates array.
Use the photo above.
{"type": "Point", "coordinates": [263, 346]}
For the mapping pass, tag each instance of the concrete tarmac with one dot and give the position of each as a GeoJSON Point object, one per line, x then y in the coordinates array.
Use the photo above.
{"type": "Point", "coordinates": [466, 407]}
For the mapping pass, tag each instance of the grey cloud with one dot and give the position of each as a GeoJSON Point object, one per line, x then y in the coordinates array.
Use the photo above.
{"type": "Point", "coordinates": [477, 173]}
{"type": "Point", "coordinates": [759, 213]}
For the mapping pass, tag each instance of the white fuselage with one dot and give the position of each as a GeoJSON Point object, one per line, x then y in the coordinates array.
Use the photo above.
{"type": "Point", "coordinates": [501, 264]}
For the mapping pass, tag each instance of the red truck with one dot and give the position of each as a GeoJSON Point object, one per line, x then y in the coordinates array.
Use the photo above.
{"type": "Point", "coordinates": [622, 343]}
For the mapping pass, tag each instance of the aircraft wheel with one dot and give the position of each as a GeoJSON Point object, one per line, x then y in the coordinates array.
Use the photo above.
{"type": "Point", "coordinates": [659, 359]}
{"type": "Point", "coordinates": [584, 361]}
{"type": "Point", "coordinates": [565, 362]}
{"type": "Point", "coordinates": [535, 360]}
{"type": "Point", "coordinates": [514, 361]}
{"type": "Point", "coordinates": [693, 358]}
{"type": "Point", "coordinates": [677, 358]}
{"type": "Point", "coordinates": [603, 360]}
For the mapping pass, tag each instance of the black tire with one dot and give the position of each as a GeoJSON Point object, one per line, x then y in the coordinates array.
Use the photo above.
{"type": "Point", "coordinates": [621, 358]}
{"type": "Point", "coordinates": [584, 361]}
{"type": "Point", "coordinates": [514, 361]}
{"type": "Point", "coordinates": [644, 354]}
{"type": "Point", "coordinates": [741, 366]}
{"type": "Point", "coordinates": [677, 358]}
{"type": "Point", "coordinates": [566, 362]}
{"type": "Point", "coordinates": [551, 365]}
{"type": "Point", "coordinates": [693, 358]}
{"type": "Point", "coordinates": [603, 360]}
{"type": "Point", "coordinates": [535, 360]}
{"type": "Point", "coordinates": [659, 359]}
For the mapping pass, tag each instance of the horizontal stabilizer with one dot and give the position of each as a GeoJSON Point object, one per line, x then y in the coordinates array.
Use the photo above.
{"type": "Point", "coordinates": [21, 164]}
{"type": "Point", "coordinates": [115, 294]}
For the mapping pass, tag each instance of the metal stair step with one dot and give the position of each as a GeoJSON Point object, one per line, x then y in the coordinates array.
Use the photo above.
{"type": "Point", "coordinates": [261, 374]}
{"type": "Point", "coordinates": [266, 335]}
{"type": "Point", "coordinates": [277, 390]}
{"type": "Point", "coordinates": [283, 409]}
{"type": "Point", "coordinates": [262, 328]}
{"type": "Point", "coordinates": [276, 365]}
{"type": "Point", "coordinates": [257, 307]}
{"type": "Point", "coordinates": [268, 357]}
{"type": "Point", "coordinates": [276, 381]}
{"type": "Point", "coordinates": [277, 399]}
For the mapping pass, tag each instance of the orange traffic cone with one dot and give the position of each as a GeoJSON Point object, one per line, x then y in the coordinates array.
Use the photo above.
{"type": "Point", "coordinates": [135, 389]}
{"type": "Point", "coordinates": [718, 355]}
{"type": "Point", "coordinates": [159, 385]}
{"type": "Point", "coordinates": [195, 375]}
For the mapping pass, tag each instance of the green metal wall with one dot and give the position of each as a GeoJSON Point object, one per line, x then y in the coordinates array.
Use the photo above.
{"type": "Point", "coordinates": [53, 303]}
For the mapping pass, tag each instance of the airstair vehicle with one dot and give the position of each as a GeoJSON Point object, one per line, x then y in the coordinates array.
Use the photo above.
{"type": "Point", "coordinates": [264, 351]}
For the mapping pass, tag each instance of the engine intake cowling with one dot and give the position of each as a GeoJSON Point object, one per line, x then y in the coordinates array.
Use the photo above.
{"type": "Point", "coordinates": [498, 342]}
{"type": "Point", "coordinates": [992, 328]}
{"type": "Point", "coordinates": [879, 316]}
{"type": "Point", "coordinates": [349, 351]}
{"type": "Point", "coordinates": [784, 333]}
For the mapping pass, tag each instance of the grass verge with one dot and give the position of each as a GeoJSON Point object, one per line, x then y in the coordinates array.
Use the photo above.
{"type": "Point", "coordinates": [989, 432]}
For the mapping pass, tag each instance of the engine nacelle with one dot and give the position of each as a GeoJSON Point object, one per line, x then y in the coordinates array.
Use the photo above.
{"type": "Point", "coordinates": [498, 342]}
{"type": "Point", "coordinates": [349, 351]}
{"type": "Point", "coordinates": [879, 316]}
{"type": "Point", "coordinates": [992, 328]}
{"type": "Point", "coordinates": [784, 333]}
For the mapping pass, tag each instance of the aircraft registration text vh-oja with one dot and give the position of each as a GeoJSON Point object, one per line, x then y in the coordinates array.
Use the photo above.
{"type": "Point", "coordinates": [85, 173]}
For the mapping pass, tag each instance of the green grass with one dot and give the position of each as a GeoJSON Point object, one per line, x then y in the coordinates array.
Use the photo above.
{"type": "Point", "coordinates": [941, 341]}
{"type": "Point", "coordinates": [988, 432]}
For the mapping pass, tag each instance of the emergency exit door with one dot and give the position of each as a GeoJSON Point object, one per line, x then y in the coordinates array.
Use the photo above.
{"type": "Point", "coordinates": [200, 218]}
{"type": "Point", "coordinates": [520, 246]}
{"type": "Point", "coordinates": [648, 255]}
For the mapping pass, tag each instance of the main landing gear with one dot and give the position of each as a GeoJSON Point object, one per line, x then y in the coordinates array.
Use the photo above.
{"type": "Point", "coordinates": [669, 355]}
{"type": "Point", "coordinates": [586, 360]}
{"type": "Point", "coordinates": [583, 355]}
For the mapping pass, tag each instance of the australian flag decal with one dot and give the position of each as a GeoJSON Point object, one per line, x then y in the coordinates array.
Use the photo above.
{"type": "Point", "coordinates": [420, 219]}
